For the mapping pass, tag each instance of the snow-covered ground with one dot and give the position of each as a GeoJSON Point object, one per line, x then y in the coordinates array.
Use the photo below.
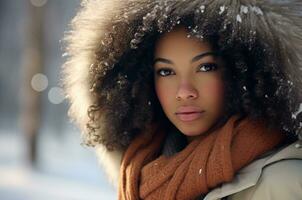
{"type": "Point", "coordinates": [19, 183]}
{"type": "Point", "coordinates": [65, 170]}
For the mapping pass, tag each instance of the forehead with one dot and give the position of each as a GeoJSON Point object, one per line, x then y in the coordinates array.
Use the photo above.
{"type": "Point", "coordinates": [177, 43]}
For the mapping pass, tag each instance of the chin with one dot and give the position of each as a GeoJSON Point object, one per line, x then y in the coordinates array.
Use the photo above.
{"type": "Point", "coordinates": [190, 132]}
{"type": "Point", "coordinates": [193, 128]}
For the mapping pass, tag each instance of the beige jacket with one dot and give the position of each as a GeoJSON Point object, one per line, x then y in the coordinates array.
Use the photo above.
{"type": "Point", "coordinates": [277, 176]}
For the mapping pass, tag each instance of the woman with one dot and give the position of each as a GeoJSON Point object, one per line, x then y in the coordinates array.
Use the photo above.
{"type": "Point", "coordinates": [190, 99]}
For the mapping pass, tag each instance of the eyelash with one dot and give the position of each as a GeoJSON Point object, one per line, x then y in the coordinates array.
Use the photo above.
{"type": "Point", "coordinates": [213, 65]}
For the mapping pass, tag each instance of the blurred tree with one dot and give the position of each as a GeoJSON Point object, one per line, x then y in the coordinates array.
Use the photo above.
{"type": "Point", "coordinates": [33, 63]}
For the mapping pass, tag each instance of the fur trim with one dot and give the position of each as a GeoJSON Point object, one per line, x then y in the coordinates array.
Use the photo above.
{"type": "Point", "coordinates": [110, 161]}
{"type": "Point", "coordinates": [87, 29]}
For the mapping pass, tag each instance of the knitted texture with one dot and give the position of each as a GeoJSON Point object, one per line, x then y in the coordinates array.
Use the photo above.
{"type": "Point", "coordinates": [205, 163]}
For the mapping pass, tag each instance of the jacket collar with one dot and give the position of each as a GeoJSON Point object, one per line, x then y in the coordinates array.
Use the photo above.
{"type": "Point", "coordinates": [249, 175]}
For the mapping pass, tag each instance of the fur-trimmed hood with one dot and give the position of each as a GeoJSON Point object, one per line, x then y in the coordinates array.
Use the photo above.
{"type": "Point", "coordinates": [98, 22]}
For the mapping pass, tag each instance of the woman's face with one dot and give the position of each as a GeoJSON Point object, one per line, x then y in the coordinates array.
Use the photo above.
{"type": "Point", "coordinates": [188, 80]}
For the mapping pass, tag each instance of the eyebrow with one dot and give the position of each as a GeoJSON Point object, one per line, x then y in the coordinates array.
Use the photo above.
{"type": "Point", "coordinates": [196, 58]}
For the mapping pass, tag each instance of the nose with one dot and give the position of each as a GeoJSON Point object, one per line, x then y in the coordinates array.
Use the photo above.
{"type": "Point", "coordinates": [186, 91]}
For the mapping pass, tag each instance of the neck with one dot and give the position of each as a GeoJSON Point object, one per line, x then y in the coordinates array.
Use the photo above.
{"type": "Point", "coordinates": [209, 131]}
{"type": "Point", "coordinates": [191, 138]}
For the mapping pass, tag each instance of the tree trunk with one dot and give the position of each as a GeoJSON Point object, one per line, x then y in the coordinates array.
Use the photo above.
{"type": "Point", "coordinates": [32, 64]}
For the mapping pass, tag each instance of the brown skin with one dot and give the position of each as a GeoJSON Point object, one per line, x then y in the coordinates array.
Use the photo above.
{"type": "Point", "coordinates": [187, 83]}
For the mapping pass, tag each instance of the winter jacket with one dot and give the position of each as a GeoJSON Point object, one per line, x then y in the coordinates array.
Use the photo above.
{"type": "Point", "coordinates": [264, 178]}
{"type": "Point", "coordinates": [273, 176]}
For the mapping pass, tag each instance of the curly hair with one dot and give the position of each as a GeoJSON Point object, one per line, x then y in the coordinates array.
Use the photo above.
{"type": "Point", "coordinates": [122, 82]}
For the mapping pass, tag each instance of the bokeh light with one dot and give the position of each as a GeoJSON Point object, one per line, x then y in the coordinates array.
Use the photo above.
{"type": "Point", "coordinates": [38, 3]}
{"type": "Point", "coordinates": [39, 82]}
{"type": "Point", "coordinates": [56, 95]}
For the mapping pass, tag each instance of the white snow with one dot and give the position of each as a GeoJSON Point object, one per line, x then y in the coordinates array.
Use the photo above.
{"type": "Point", "coordinates": [238, 18]}
{"type": "Point", "coordinates": [202, 7]}
{"type": "Point", "coordinates": [222, 8]}
{"type": "Point", "coordinates": [294, 115]}
{"type": "Point", "coordinates": [257, 10]}
{"type": "Point", "coordinates": [243, 9]}
{"type": "Point", "coordinates": [65, 170]}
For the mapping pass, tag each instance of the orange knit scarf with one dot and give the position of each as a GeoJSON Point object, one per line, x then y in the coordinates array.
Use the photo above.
{"type": "Point", "coordinates": [203, 164]}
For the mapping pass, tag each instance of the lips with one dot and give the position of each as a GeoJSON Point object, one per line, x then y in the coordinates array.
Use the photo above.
{"type": "Point", "coordinates": [189, 113]}
{"type": "Point", "coordinates": [188, 110]}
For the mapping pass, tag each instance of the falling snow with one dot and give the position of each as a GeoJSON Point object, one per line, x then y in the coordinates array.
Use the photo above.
{"type": "Point", "coordinates": [222, 8]}
{"type": "Point", "coordinates": [65, 54]}
{"type": "Point", "coordinates": [238, 18]}
{"type": "Point", "coordinates": [257, 10]}
{"type": "Point", "coordinates": [294, 115]}
{"type": "Point", "coordinates": [121, 81]}
{"type": "Point", "coordinates": [202, 7]}
{"type": "Point", "coordinates": [243, 9]}
{"type": "Point", "coordinates": [290, 82]}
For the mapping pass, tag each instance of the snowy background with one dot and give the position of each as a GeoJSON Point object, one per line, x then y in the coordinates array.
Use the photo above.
{"type": "Point", "coordinates": [63, 169]}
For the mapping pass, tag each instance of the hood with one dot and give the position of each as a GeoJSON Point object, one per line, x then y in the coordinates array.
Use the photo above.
{"type": "Point", "coordinates": [103, 30]}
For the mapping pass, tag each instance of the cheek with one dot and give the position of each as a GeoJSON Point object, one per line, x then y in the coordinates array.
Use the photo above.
{"type": "Point", "coordinates": [164, 93]}
{"type": "Point", "coordinates": [214, 90]}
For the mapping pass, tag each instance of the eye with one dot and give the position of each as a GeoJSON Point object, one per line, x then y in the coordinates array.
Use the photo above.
{"type": "Point", "coordinates": [163, 72]}
{"type": "Point", "coordinates": [207, 67]}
